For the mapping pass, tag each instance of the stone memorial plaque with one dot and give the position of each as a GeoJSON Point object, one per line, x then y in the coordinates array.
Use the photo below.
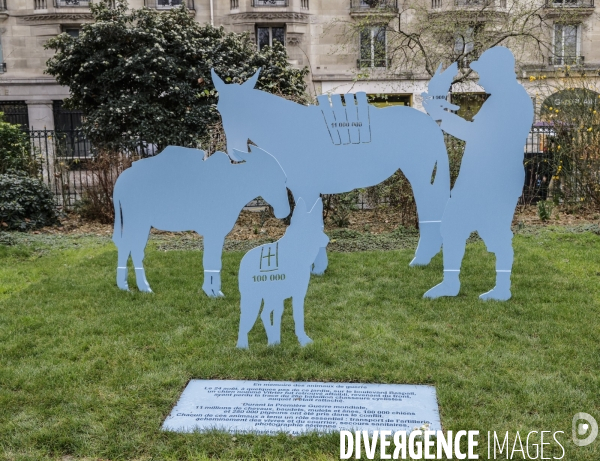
{"type": "Point", "coordinates": [270, 407]}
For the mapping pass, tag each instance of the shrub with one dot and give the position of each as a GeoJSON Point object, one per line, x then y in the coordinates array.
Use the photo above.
{"type": "Point", "coordinates": [96, 204]}
{"type": "Point", "coordinates": [341, 206]}
{"type": "Point", "coordinates": [25, 202]}
{"type": "Point", "coordinates": [545, 208]}
{"type": "Point", "coordinates": [14, 148]}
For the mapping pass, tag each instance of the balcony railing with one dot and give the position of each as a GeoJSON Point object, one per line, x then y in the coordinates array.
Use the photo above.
{"type": "Point", "coordinates": [566, 60]}
{"type": "Point", "coordinates": [304, 4]}
{"type": "Point", "coordinates": [168, 4]}
{"type": "Point", "coordinates": [269, 2]}
{"type": "Point", "coordinates": [2, 5]}
{"type": "Point", "coordinates": [39, 5]}
{"type": "Point", "coordinates": [378, 63]}
{"type": "Point", "coordinates": [570, 4]}
{"type": "Point", "coordinates": [480, 3]}
{"type": "Point", "coordinates": [2, 67]}
{"type": "Point", "coordinates": [71, 3]}
{"type": "Point", "coordinates": [234, 4]}
{"type": "Point", "coordinates": [373, 5]}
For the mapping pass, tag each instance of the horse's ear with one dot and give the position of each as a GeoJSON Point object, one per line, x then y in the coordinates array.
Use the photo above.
{"type": "Point", "coordinates": [238, 156]}
{"type": "Point", "coordinates": [217, 82]}
{"type": "Point", "coordinates": [317, 209]}
{"type": "Point", "coordinates": [300, 207]}
{"type": "Point", "coordinates": [251, 82]}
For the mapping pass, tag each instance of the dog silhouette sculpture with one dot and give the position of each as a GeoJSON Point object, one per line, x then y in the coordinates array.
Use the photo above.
{"type": "Point", "coordinates": [276, 271]}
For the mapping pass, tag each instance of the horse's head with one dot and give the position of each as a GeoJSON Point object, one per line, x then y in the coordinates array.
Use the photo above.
{"type": "Point", "coordinates": [232, 100]}
{"type": "Point", "coordinates": [267, 172]}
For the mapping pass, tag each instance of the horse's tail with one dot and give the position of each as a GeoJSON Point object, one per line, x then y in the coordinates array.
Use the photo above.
{"type": "Point", "coordinates": [118, 227]}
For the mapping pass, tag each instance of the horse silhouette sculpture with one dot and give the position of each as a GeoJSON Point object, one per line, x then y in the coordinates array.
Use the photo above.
{"type": "Point", "coordinates": [330, 149]}
{"type": "Point", "coordinates": [281, 270]}
{"type": "Point", "coordinates": [179, 190]}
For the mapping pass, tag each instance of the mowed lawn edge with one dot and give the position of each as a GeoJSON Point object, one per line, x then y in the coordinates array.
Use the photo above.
{"type": "Point", "coordinates": [91, 371]}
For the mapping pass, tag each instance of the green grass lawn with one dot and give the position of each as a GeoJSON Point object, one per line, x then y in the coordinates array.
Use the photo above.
{"type": "Point", "coordinates": [88, 371]}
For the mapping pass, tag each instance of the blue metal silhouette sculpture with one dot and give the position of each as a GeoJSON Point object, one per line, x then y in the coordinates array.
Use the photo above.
{"type": "Point", "coordinates": [491, 175]}
{"type": "Point", "coordinates": [333, 148]}
{"type": "Point", "coordinates": [280, 270]}
{"type": "Point", "coordinates": [178, 190]}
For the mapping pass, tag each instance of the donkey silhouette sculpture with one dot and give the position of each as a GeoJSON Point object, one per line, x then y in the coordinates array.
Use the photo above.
{"type": "Point", "coordinates": [299, 136]}
{"type": "Point", "coordinates": [178, 190]}
{"type": "Point", "coordinates": [281, 270]}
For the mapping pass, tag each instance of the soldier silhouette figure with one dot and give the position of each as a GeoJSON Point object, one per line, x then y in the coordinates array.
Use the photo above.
{"type": "Point", "coordinates": [491, 175]}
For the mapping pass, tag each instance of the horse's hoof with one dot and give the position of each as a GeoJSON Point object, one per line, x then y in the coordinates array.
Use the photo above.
{"type": "Point", "coordinates": [419, 262]}
{"type": "Point", "coordinates": [304, 340]}
{"type": "Point", "coordinates": [442, 289]}
{"type": "Point", "coordinates": [496, 295]}
{"type": "Point", "coordinates": [214, 294]}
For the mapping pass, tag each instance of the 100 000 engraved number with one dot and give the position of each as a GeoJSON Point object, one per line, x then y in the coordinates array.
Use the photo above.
{"type": "Point", "coordinates": [272, 277]}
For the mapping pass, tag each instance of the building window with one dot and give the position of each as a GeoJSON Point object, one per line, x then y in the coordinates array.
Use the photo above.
{"type": "Point", "coordinates": [464, 41]}
{"type": "Point", "coordinates": [2, 65]}
{"type": "Point", "coordinates": [566, 44]}
{"type": "Point", "coordinates": [66, 119]}
{"type": "Point", "coordinates": [267, 35]}
{"type": "Point", "coordinates": [72, 31]}
{"type": "Point", "coordinates": [15, 112]}
{"type": "Point", "coordinates": [390, 99]}
{"type": "Point", "coordinates": [372, 47]}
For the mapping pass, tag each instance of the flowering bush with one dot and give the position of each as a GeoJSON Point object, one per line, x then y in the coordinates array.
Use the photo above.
{"type": "Point", "coordinates": [145, 74]}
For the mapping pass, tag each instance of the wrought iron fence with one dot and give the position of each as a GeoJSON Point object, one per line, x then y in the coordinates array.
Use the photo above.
{"type": "Point", "coordinates": [67, 164]}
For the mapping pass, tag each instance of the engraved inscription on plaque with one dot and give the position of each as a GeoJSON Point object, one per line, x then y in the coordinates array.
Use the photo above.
{"type": "Point", "coordinates": [270, 407]}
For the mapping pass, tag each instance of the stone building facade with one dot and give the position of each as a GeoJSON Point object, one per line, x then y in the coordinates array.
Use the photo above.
{"type": "Point", "coordinates": [308, 28]}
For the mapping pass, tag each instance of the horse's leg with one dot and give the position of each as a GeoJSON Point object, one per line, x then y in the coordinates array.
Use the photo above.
{"type": "Point", "coordinates": [320, 263]}
{"type": "Point", "coordinates": [430, 198]}
{"type": "Point", "coordinates": [211, 260]}
{"type": "Point", "coordinates": [249, 308]}
{"type": "Point", "coordinates": [138, 245]}
{"type": "Point", "coordinates": [123, 252]}
{"type": "Point", "coordinates": [274, 307]}
{"type": "Point", "coordinates": [298, 309]}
